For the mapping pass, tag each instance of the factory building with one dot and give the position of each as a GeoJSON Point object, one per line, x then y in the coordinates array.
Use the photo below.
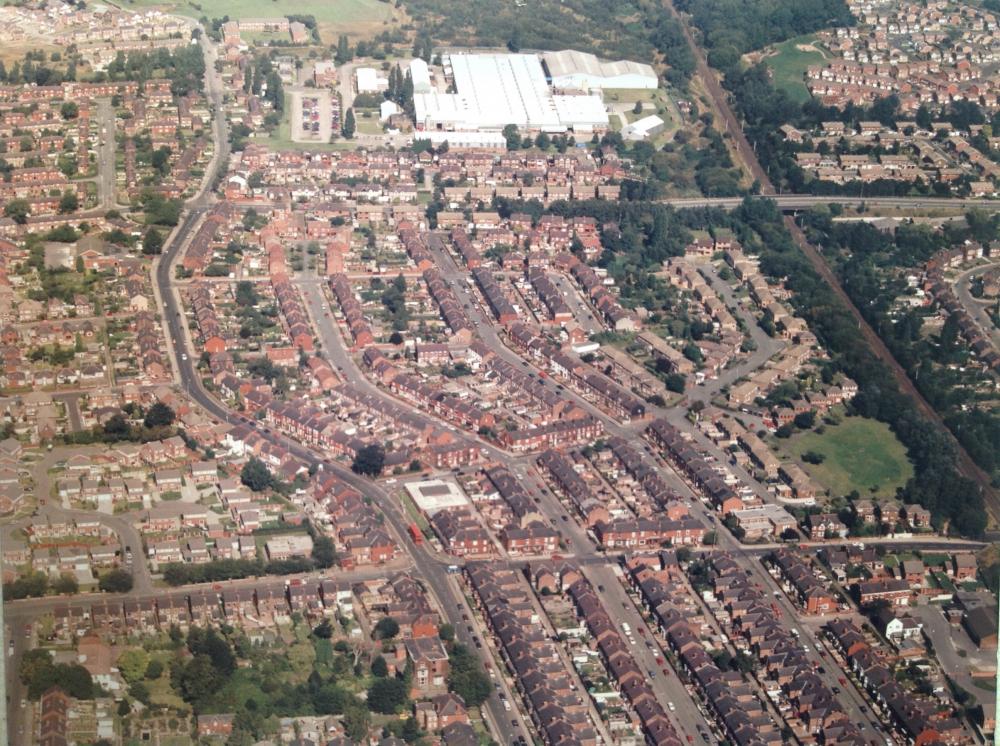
{"type": "Point", "coordinates": [572, 70]}
{"type": "Point", "coordinates": [494, 90]}
{"type": "Point", "coordinates": [420, 75]}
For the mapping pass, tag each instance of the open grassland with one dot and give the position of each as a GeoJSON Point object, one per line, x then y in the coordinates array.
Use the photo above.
{"type": "Point", "coordinates": [859, 454]}
{"type": "Point", "coordinates": [789, 63]}
{"type": "Point", "coordinates": [334, 17]}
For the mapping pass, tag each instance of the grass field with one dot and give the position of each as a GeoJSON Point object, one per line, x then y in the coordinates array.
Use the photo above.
{"type": "Point", "coordinates": [860, 454]}
{"type": "Point", "coordinates": [789, 65]}
{"type": "Point", "coordinates": [355, 17]}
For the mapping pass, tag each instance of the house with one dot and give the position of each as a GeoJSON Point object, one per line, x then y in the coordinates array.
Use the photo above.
{"type": "Point", "coordinates": [429, 660]}
{"type": "Point", "coordinates": [215, 725]}
{"type": "Point", "coordinates": [964, 566]}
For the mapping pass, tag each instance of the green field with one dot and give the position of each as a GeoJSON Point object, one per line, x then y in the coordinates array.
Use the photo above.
{"type": "Point", "coordinates": [860, 454]}
{"type": "Point", "coordinates": [355, 17]}
{"type": "Point", "coordinates": [789, 65]}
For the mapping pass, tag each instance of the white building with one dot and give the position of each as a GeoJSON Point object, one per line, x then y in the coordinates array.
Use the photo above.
{"type": "Point", "coordinates": [369, 81]}
{"type": "Point", "coordinates": [494, 90]}
{"type": "Point", "coordinates": [643, 128]}
{"type": "Point", "coordinates": [584, 71]}
{"type": "Point", "coordinates": [420, 74]}
{"type": "Point", "coordinates": [387, 109]}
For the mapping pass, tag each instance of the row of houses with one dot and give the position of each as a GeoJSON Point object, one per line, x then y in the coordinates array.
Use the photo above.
{"type": "Point", "coordinates": [557, 710]}
{"type": "Point", "coordinates": [629, 679]}
{"type": "Point", "coordinates": [922, 720]}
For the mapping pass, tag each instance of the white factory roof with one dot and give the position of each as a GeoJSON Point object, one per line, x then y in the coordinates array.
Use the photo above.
{"type": "Point", "coordinates": [494, 90]}
{"type": "Point", "coordinates": [435, 495]}
{"type": "Point", "coordinates": [570, 68]}
{"type": "Point", "coordinates": [642, 128]}
{"type": "Point", "coordinates": [464, 139]}
{"type": "Point", "coordinates": [367, 79]}
{"type": "Point", "coordinates": [420, 75]}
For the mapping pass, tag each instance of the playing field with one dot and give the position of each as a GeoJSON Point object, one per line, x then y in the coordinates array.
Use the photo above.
{"type": "Point", "coordinates": [860, 454]}
{"type": "Point", "coordinates": [789, 65]}
{"type": "Point", "coordinates": [355, 17]}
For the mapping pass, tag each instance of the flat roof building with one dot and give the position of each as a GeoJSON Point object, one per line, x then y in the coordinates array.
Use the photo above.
{"type": "Point", "coordinates": [369, 81]}
{"type": "Point", "coordinates": [584, 71]}
{"type": "Point", "coordinates": [494, 90]}
{"type": "Point", "coordinates": [644, 128]}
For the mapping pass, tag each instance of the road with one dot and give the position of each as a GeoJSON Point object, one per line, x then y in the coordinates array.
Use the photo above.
{"type": "Point", "coordinates": [977, 307]}
{"type": "Point", "coordinates": [106, 166]}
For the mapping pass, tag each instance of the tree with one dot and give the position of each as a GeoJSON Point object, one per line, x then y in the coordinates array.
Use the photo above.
{"type": "Point", "coordinates": [446, 632]}
{"type": "Point", "coordinates": [17, 210]}
{"type": "Point", "coordinates": [116, 581]}
{"type": "Point", "coordinates": [387, 628]}
{"type": "Point", "coordinates": [159, 415]}
{"type": "Point", "coordinates": [637, 109]}
{"type": "Point", "coordinates": [65, 583]}
{"type": "Point", "coordinates": [198, 679]}
{"type": "Point", "coordinates": [68, 202]}
{"type": "Point", "coordinates": [132, 664]}
{"type": "Point", "coordinates": [379, 667]}
{"type": "Point", "coordinates": [369, 460]}
{"type": "Point", "coordinates": [356, 723]}
{"type": "Point", "coordinates": [154, 670]}
{"type": "Point", "coordinates": [805, 420]}
{"type": "Point", "coordinates": [323, 630]}
{"type": "Point", "coordinates": [152, 242]}
{"type": "Point", "coordinates": [512, 136]}
{"type": "Point", "coordinates": [323, 552]}
{"type": "Point", "coordinates": [467, 679]}
{"type": "Point", "coordinates": [387, 695]}
{"type": "Point", "coordinates": [69, 110]}
{"type": "Point", "coordinates": [349, 124]}
{"type": "Point", "coordinates": [255, 475]}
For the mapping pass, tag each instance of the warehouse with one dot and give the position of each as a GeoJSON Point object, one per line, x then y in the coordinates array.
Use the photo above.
{"type": "Point", "coordinates": [643, 128]}
{"type": "Point", "coordinates": [570, 69]}
{"type": "Point", "coordinates": [494, 90]}
{"type": "Point", "coordinates": [420, 75]}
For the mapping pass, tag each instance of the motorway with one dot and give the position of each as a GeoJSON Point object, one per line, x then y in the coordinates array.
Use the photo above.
{"type": "Point", "coordinates": [798, 202]}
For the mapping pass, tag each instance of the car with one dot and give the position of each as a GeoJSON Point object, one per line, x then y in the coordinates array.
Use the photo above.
{"type": "Point", "coordinates": [666, 671]}
{"type": "Point", "coordinates": [479, 644]}
{"type": "Point", "coordinates": [10, 648]}
{"type": "Point", "coordinates": [470, 628]}
{"type": "Point", "coordinates": [506, 705]}
{"type": "Point", "coordinates": [864, 710]}
{"type": "Point", "coordinates": [513, 722]}
{"type": "Point", "coordinates": [465, 617]}
{"type": "Point", "coordinates": [600, 588]}
{"type": "Point", "coordinates": [184, 356]}
{"type": "Point", "coordinates": [836, 690]}
{"type": "Point", "coordinates": [652, 674]}
{"type": "Point", "coordinates": [671, 706]}
{"type": "Point", "coordinates": [459, 606]}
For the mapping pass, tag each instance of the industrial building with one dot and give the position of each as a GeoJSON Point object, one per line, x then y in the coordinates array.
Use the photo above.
{"type": "Point", "coordinates": [644, 128]}
{"type": "Point", "coordinates": [572, 70]}
{"type": "Point", "coordinates": [369, 81]}
{"type": "Point", "coordinates": [494, 90]}
{"type": "Point", "coordinates": [420, 75]}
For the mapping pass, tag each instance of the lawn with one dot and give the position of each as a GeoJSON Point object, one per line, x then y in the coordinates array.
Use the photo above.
{"type": "Point", "coordinates": [859, 454]}
{"type": "Point", "coordinates": [789, 65]}
{"type": "Point", "coordinates": [355, 17]}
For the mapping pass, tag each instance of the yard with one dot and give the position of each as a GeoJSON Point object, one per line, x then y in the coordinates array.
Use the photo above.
{"type": "Point", "coordinates": [859, 454]}
{"type": "Point", "coordinates": [354, 17]}
{"type": "Point", "coordinates": [789, 63]}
